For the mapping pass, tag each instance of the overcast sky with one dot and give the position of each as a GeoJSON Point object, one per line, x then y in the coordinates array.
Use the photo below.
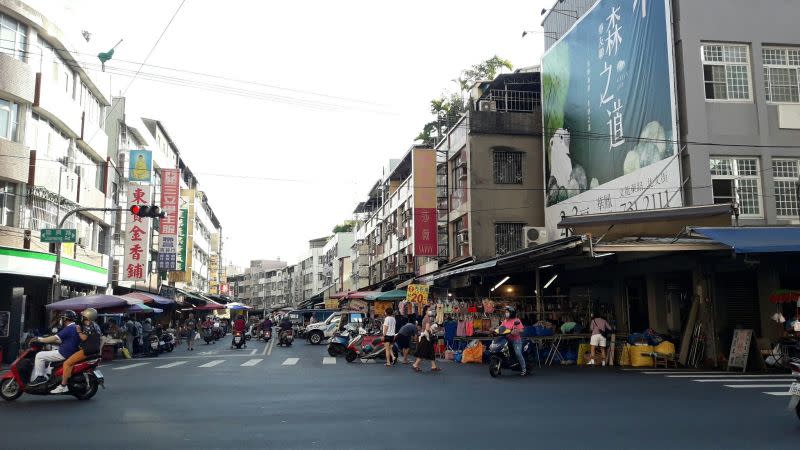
{"type": "Point", "coordinates": [377, 64]}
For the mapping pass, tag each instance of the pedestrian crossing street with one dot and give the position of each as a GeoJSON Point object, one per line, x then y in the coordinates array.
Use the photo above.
{"type": "Point", "coordinates": [776, 385]}
{"type": "Point", "coordinates": [209, 363]}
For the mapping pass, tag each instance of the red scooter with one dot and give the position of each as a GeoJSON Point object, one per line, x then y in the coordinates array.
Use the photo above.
{"type": "Point", "coordinates": [83, 384]}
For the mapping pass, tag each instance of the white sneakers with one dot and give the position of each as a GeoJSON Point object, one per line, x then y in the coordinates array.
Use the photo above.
{"type": "Point", "coordinates": [604, 363]}
{"type": "Point", "coordinates": [61, 389]}
{"type": "Point", "coordinates": [590, 363]}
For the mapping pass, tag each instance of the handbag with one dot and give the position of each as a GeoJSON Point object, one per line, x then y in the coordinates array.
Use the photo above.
{"type": "Point", "coordinates": [196, 335]}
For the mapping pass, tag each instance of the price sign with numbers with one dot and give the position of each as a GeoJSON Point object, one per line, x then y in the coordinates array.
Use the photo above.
{"type": "Point", "coordinates": [418, 293]}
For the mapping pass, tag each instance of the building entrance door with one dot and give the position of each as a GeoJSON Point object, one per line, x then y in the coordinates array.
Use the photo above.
{"type": "Point", "coordinates": [636, 300]}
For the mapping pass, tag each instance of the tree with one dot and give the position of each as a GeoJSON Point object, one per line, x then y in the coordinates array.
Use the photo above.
{"type": "Point", "coordinates": [344, 227]}
{"type": "Point", "coordinates": [485, 70]}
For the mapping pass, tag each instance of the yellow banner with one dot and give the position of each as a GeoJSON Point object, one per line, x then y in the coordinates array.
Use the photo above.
{"type": "Point", "coordinates": [418, 293]}
{"type": "Point", "coordinates": [332, 303]}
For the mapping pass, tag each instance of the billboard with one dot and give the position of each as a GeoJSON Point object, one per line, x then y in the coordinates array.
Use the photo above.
{"type": "Point", "coordinates": [140, 165]}
{"type": "Point", "coordinates": [610, 122]}
{"type": "Point", "coordinates": [425, 229]}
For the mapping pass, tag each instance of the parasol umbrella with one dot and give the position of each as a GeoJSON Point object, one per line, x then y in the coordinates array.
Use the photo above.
{"type": "Point", "coordinates": [396, 294]}
{"type": "Point", "coordinates": [209, 306]}
{"type": "Point", "coordinates": [138, 308]}
{"type": "Point", "coordinates": [234, 306]}
{"type": "Point", "coordinates": [100, 301]}
{"type": "Point", "coordinates": [150, 298]}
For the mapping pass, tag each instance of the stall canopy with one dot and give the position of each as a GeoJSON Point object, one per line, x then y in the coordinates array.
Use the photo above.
{"type": "Point", "coordinates": [360, 294]}
{"type": "Point", "coordinates": [234, 306]}
{"type": "Point", "coordinates": [192, 298]}
{"type": "Point", "coordinates": [209, 306]}
{"type": "Point", "coordinates": [101, 301]}
{"type": "Point", "coordinates": [754, 239]}
{"type": "Point", "coordinates": [150, 298]}
{"type": "Point", "coordinates": [396, 294]}
{"type": "Point", "coordinates": [141, 308]}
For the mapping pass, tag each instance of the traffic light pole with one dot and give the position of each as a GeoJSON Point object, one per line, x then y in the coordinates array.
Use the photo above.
{"type": "Point", "coordinates": [55, 288]}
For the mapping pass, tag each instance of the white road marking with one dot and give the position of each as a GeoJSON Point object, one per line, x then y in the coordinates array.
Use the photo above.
{"type": "Point", "coordinates": [266, 346]}
{"type": "Point", "coordinates": [681, 372]}
{"type": "Point", "coordinates": [752, 386]}
{"type": "Point", "coordinates": [368, 361]}
{"type": "Point", "coordinates": [329, 360]}
{"type": "Point", "coordinates": [253, 352]}
{"type": "Point", "coordinates": [733, 380]}
{"type": "Point", "coordinates": [271, 346]}
{"type": "Point", "coordinates": [252, 362]}
{"type": "Point", "coordinates": [167, 366]}
{"type": "Point", "coordinates": [779, 394]}
{"type": "Point", "coordinates": [290, 361]}
{"type": "Point", "coordinates": [212, 363]}
{"type": "Point", "coordinates": [130, 366]}
{"type": "Point", "coordinates": [725, 376]}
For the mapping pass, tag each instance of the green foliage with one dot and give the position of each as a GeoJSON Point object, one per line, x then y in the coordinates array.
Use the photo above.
{"type": "Point", "coordinates": [485, 70]}
{"type": "Point", "coordinates": [555, 83]}
{"type": "Point", "coordinates": [344, 227]}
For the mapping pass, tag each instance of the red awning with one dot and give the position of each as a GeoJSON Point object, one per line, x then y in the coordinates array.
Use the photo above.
{"type": "Point", "coordinates": [360, 294]}
{"type": "Point", "coordinates": [209, 306]}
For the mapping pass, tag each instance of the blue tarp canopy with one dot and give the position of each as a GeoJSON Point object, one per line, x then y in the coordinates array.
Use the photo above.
{"type": "Point", "coordinates": [755, 239]}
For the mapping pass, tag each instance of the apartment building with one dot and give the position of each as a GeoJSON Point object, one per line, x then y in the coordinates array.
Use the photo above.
{"type": "Point", "coordinates": [336, 262]}
{"type": "Point", "coordinates": [311, 273]}
{"type": "Point", "coordinates": [254, 287]}
{"type": "Point", "coordinates": [53, 158]}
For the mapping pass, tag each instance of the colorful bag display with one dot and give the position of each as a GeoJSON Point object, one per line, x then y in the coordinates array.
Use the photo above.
{"type": "Point", "coordinates": [665, 348]}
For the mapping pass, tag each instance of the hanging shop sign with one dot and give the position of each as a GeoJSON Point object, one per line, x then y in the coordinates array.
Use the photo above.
{"type": "Point", "coordinates": [425, 229]}
{"type": "Point", "coordinates": [418, 293]}
{"type": "Point", "coordinates": [137, 235]}
{"type": "Point", "coordinates": [183, 230]}
{"type": "Point", "coordinates": [609, 111]}
{"type": "Point", "coordinates": [140, 165]}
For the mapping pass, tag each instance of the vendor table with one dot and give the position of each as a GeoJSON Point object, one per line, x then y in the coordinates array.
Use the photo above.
{"type": "Point", "coordinates": [554, 343]}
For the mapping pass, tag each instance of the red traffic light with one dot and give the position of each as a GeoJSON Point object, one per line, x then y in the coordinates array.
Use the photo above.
{"type": "Point", "coordinates": [135, 210]}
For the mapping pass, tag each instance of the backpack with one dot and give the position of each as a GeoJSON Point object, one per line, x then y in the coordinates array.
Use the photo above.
{"type": "Point", "coordinates": [91, 345]}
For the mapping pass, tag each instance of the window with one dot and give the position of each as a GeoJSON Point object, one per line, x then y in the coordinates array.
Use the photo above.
{"type": "Point", "coordinates": [13, 38]}
{"type": "Point", "coordinates": [507, 237]}
{"type": "Point", "coordinates": [9, 119]}
{"type": "Point", "coordinates": [461, 238]}
{"type": "Point", "coordinates": [8, 203]}
{"type": "Point", "coordinates": [736, 180]}
{"type": "Point", "coordinates": [726, 72]}
{"type": "Point", "coordinates": [507, 167]}
{"type": "Point", "coordinates": [785, 173]}
{"type": "Point", "coordinates": [780, 74]}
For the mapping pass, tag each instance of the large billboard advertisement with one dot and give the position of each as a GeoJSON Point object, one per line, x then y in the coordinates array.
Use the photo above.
{"type": "Point", "coordinates": [610, 122]}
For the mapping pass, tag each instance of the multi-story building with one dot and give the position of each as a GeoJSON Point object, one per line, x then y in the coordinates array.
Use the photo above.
{"type": "Point", "coordinates": [311, 269]}
{"type": "Point", "coordinates": [53, 158]}
{"type": "Point", "coordinates": [254, 291]}
{"type": "Point", "coordinates": [336, 262]}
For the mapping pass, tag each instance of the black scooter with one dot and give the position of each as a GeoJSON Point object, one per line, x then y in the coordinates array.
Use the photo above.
{"type": "Point", "coordinates": [239, 340]}
{"type": "Point", "coordinates": [502, 356]}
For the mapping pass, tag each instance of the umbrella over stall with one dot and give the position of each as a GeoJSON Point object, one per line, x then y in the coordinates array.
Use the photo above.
{"type": "Point", "coordinates": [234, 306]}
{"type": "Point", "coordinates": [141, 308]}
{"type": "Point", "coordinates": [100, 301]}
{"type": "Point", "coordinates": [147, 297]}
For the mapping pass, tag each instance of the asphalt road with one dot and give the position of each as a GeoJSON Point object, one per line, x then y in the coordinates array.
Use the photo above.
{"type": "Point", "coordinates": [262, 397]}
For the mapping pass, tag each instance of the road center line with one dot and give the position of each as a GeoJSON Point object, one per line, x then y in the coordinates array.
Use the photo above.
{"type": "Point", "coordinates": [779, 394]}
{"type": "Point", "coordinates": [167, 366]}
{"type": "Point", "coordinates": [751, 386]}
{"type": "Point", "coordinates": [131, 366]}
{"type": "Point", "coordinates": [290, 361]}
{"type": "Point", "coordinates": [266, 346]}
{"type": "Point", "coordinates": [212, 363]}
{"type": "Point", "coordinates": [252, 362]}
{"type": "Point", "coordinates": [271, 346]}
{"type": "Point", "coordinates": [253, 352]}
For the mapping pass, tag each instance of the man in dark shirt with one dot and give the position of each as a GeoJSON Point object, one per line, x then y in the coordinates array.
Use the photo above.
{"type": "Point", "coordinates": [403, 339]}
{"type": "Point", "coordinates": [67, 338]}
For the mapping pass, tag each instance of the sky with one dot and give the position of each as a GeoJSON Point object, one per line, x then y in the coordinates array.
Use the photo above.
{"type": "Point", "coordinates": [335, 90]}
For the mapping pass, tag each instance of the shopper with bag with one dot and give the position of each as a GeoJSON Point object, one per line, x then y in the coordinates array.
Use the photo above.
{"type": "Point", "coordinates": [191, 332]}
{"type": "Point", "coordinates": [389, 325]}
{"type": "Point", "coordinates": [425, 345]}
{"type": "Point", "coordinates": [601, 330]}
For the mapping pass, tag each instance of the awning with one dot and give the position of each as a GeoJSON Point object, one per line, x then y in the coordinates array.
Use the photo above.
{"type": "Point", "coordinates": [209, 306]}
{"type": "Point", "coordinates": [396, 294]}
{"type": "Point", "coordinates": [360, 294]}
{"type": "Point", "coordinates": [89, 301]}
{"type": "Point", "coordinates": [192, 298]}
{"type": "Point", "coordinates": [755, 239]}
{"type": "Point", "coordinates": [149, 298]}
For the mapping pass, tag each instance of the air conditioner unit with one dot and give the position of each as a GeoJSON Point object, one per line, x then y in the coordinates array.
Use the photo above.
{"type": "Point", "coordinates": [533, 236]}
{"type": "Point", "coordinates": [487, 105]}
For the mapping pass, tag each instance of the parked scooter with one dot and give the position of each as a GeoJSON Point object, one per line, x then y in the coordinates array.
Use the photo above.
{"type": "Point", "coordinates": [503, 357]}
{"type": "Point", "coordinates": [239, 340]}
{"type": "Point", "coordinates": [167, 342]}
{"type": "Point", "coordinates": [337, 345]}
{"type": "Point", "coordinates": [794, 390]}
{"type": "Point", "coordinates": [208, 335]}
{"type": "Point", "coordinates": [83, 384]}
{"type": "Point", "coordinates": [286, 337]}
{"type": "Point", "coordinates": [364, 346]}
{"type": "Point", "coordinates": [153, 345]}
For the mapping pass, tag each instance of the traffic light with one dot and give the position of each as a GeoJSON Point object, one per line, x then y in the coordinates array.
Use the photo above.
{"type": "Point", "coordinates": [148, 211]}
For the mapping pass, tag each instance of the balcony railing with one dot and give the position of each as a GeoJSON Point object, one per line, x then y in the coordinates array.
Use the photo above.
{"type": "Point", "coordinates": [511, 101]}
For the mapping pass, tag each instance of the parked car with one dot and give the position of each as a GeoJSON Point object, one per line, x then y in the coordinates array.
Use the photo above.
{"type": "Point", "coordinates": [319, 331]}
{"type": "Point", "coordinates": [301, 318]}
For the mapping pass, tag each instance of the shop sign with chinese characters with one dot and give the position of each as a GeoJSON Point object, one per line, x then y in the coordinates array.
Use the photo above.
{"type": "Point", "coordinates": [137, 235]}
{"type": "Point", "coordinates": [418, 293]}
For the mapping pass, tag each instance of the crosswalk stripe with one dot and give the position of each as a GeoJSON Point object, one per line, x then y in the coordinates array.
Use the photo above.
{"type": "Point", "coordinates": [290, 361]}
{"type": "Point", "coordinates": [779, 394]}
{"type": "Point", "coordinates": [329, 360]}
{"type": "Point", "coordinates": [252, 362]}
{"type": "Point", "coordinates": [175, 364]}
{"type": "Point", "coordinates": [130, 366]}
{"type": "Point", "coordinates": [368, 361]}
{"type": "Point", "coordinates": [733, 380]}
{"type": "Point", "coordinates": [682, 372]}
{"type": "Point", "coordinates": [212, 363]}
{"type": "Point", "coordinates": [725, 376]}
{"type": "Point", "coordinates": [752, 386]}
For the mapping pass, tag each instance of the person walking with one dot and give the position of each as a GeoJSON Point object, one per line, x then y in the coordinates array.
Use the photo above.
{"type": "Point", "coordinates": [130, 335]}
{"type": "Point", "coordinates": [389, 324]}
{"type": "Point", "coordinates": [191, 331]}
{"type": "Point", "coordinates": [599, 327]}
{"type": "Point", "coordinates": [425, 346]}
{"type": "Point", "coordinates": [403, 339]}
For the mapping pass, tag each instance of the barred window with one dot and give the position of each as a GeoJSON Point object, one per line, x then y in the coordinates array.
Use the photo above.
{"type": "Point", "coordinates": [781, 66]}
{"type": "Point", "coordinates": [726, 72]}
{"type": "Point", "coordinates": [785, 173]}
{"type": "Point", "coordinates": [507, 237]}
{"type": "Point", "coordinates": [13, 38]}
{"type": "Point", "coordinates": [507, 167]}
{"type": "Point", "coordinates": [737, 180]}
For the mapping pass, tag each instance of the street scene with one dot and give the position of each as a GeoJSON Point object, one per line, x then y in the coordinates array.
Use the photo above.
{"type": "Point", "coordinates": [450, 224]}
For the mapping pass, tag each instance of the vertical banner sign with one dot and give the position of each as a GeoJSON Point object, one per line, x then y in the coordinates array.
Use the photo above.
{"type": "Point", "coordinates": [213, 274]}
{"type": "Point", "coordinates": [610, 124]}
{"type": "Point", "coordinates": [183, 231]}
{"type": "Point", "coordinates": [140, 165]}
{"type": "Point", "coordinates": [425, 229]}
{"type": "Point", "coordinates": [137, 235]}
{"type": "Point", "coordinates": [168, 233]}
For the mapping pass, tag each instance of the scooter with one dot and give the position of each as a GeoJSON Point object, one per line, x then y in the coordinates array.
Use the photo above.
{"type": "Point", "coordinates": [167, 342]}
{"type": "Point", "coordinates": [254, 332]}
{"type": "Point", "coordinates": [83, 384]}
{"type": "Point", "coordinates": [153, 345]}
{"type": "Point", "coordinates": [337, 345]}
{"type": "Point", "coordinates": [218, 333]}
{"type": "Point", "coordinates": [267, 335]}
{"type": "Point", "coordinates": [239, 340]}
{"type": "Point", "coordinates": [208, 335]}
{"type": "Point", "coordinates": [502, 356]}
{"type": "Point", "coordinates": [285, 338]}
{"type": "Point", "coordinates": [364, 346]}
{"type": "Point", "coordinates": [794, 390]}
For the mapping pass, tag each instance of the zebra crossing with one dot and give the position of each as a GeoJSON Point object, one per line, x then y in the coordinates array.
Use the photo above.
{"type": "Point", "coordinates": [252, 362]}
{"type": "Point", "coordinates": [776, 385]}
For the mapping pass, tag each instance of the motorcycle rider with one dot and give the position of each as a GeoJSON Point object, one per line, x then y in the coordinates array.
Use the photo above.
{"type": "Point", "coordinates": [68, 341]}
{"type": "Point", "coordinates": [239, 325]}
{"type": "Point", "coordinates": [285, 325]}
{"type": "Point", "coordinates": [91, 337]}
{"type": "Point", "coordinates": [266, 326]}
{"type": "Point", "coordinates": [512, 323]}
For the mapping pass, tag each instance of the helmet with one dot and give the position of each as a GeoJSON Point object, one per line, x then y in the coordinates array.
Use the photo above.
{"type": "Point", "coordinates": [89, 314]}
{"type": "Point", "coordinates": [148, 320]}
{"type": "Point", "coordinates": [511, 311]}
{"type": "Point", "coordinates": [69, 315]}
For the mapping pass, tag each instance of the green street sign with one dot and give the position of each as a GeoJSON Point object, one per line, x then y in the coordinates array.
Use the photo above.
{"type": "Point", "coordinates": [58, 235]}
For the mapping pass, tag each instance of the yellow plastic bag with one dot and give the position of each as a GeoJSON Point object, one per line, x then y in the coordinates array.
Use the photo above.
{"type": "Point", "coordinates": [125, 353]}
{"type": "Point", "coordinates": [583, 350]}
{"type": "Point", "coordinates": [665, 348]}
{"type": "Point", "coordinates": [639, 360]}
{"type": "Point", "coordinates": [473, 354]}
